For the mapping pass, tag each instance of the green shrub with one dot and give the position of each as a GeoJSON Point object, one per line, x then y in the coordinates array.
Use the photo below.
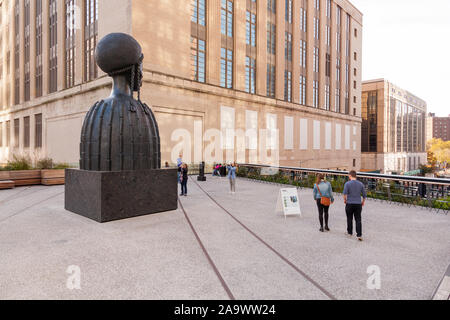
{"type": "Point", "coordinates": [45, 164]}
{"type": "Point", "coordinates": [19, 163]}
{"type": "Point", "coordinates": [60, 166]}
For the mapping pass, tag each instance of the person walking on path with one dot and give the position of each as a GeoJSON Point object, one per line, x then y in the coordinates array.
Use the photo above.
{"type": "Point", "coordinates": [323, 195]}
{"type": "Point", "coordinates": [232, 177]}
{"type": "Point", "coordinates": [183, 170]}
{"type": "Point", "coordinates": [355, 198]}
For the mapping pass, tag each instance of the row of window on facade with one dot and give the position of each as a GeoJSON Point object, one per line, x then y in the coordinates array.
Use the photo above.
{"type": "Point", "coordinates": [198, 52]}
{"type": "Point", "coordinates": [337, 136]}
{"type": "Point", "coordinates": [7, 132]}
{"type": "Point", "coordinates": [90, 38]}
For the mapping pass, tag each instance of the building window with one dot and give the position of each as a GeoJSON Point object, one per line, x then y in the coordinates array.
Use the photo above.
{"type": "Point", "coordinates": [17, 53]}
{"type": "Point", "coordinates": [316, 28]}
{"type": "Point", "coordinates": [198, 12]}
{"type": "Point", "coordinates": [38, 71]}
{"type": "Point", "coordinates": [328, 65]}
{"type": "Point", "coordinates": [316, 94]}
{"type": "Point", "coordinates": [302, 53]}
{"type": "Point", "coordinates": [303, 90]}
{"type": "Point", "coordinates": [271, 38]}
{"type": "Point", "coordinates": [338, 15]}
{"type": "Point", "coordinates": [329, 8]}
{"type": "Point", "coordinates": [288, 11]}
{"type": "Point", "coordinates": [90, 39]}
{"type": "Point", "coordinates": [271, 81]}
{"type": "Point", "coordinates": [356, 33]}
{"type": "Point", "coordinates": [27, 55]}
{"type": "Point", "coordinates": [26, 132]}
{"type": "Point", "coordinates": [16, 133]}
{"type": "Point", "coordinates": [288, 86]}
{"type": "Point", "coordinates": [38, 131]}
{"type": "Point", "coordinates": [251, 29]}
{"type": "Point", "coordinates": [70, 43]}
{"type": "Point", "coordinates": [317, 4]}
{"type": "Point", "coordinates": [226, 68]}
{"type": "Point", "coordinates": [347, 103]}
{"type": "Point", "coordinates": [338, 70]}
{"type": "Point", "coordinates": [1, 134]}
{"type": "Point", "coordinates": [354, 84]}
{"type": "Point", "coordinates": [303, 20]}
{"type": "Point", "coordinates": [250, 75]}
{"type": "Point", "coordinates": [272, 6]}
{"type": "Point", "coordinates": [327, 97]}
{"type": "Point", "coordinates": [198, 59]}
{"type": "Point", "coordinates": [355, 56]}
{"type": "Point", "coordinates": [328, 36]}
{"type": "Point", "coordinates": [53, 54]}
{"type": "Point", "coordinates": [8, 133]}
{"type": "Point", "coordinates": [316, 59]}
{"type": "Point", "coordinates": [347, 76]}
{"type": "Point", "coordinates": [227, 18]}
{"type": "Point", "coordinates": [338, 101]}
{"type": "Point", "coordinates": [288, 46]}
{"type": "Point", "coordinates": [338, 42]}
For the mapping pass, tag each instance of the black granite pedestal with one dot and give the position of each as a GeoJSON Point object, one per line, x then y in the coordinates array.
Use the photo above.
{"type": "Point", "coordinates": [109, 196]}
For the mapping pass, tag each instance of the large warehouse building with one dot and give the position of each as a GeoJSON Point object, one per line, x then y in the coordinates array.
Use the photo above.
{"type": "Point", "coordinates": [283, 76]}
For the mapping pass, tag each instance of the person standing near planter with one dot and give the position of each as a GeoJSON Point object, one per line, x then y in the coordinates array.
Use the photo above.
{"type": "Point", "coordinates": [355, 198]}
{"type": "Point", "coordinates": [323, 195]}
{"type": "Point", "coordinates": [232, 177]}
{"type": "Point", "coordinates": [183, 170]}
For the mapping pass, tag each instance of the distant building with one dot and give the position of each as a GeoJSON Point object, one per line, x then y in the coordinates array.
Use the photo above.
{"type": "Point", "coordinates": [429, 120]}
{"type": "Point", "coordinates": [393, 128]}
{"type": "Point", "coordinates": [441, 127]}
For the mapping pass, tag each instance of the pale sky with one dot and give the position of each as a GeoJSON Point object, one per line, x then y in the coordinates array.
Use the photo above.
{"type": "Point", "coordinates": [408, 43]}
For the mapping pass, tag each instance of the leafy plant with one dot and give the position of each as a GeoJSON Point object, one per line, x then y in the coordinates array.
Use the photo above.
{"type": "Point", "coordinates": [44, 164]}
{"type": "Point", "coordinates": [60, 166]}
{"type": "Point", "coordinates": [19, 163]}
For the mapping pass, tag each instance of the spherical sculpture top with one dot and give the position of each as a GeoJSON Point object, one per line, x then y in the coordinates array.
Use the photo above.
{"type": "Point", "coordinates": [117, 51]}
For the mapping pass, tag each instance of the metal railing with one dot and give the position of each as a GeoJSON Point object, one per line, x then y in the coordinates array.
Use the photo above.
{"type": "Point", "coordinates": [431, 193]}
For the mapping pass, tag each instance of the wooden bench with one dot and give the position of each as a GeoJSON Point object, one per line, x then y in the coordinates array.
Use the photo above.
{"type": "Point", "coordinates": [7, 184]}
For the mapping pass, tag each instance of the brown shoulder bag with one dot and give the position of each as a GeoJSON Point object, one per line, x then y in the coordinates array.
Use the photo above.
{"type": "Point", "coordinates": [326, 202]}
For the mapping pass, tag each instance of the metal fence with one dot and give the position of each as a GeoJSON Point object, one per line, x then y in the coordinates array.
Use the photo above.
{"type": "Point", "coordinates": [431, 193]}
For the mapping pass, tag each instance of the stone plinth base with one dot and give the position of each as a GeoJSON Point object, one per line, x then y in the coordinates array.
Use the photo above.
{"type": "Point", "coordinates": [109, 196]}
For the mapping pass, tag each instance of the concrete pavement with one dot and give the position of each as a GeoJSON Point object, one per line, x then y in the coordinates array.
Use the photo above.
{"type": "Point", "coordinates": [242, 247]}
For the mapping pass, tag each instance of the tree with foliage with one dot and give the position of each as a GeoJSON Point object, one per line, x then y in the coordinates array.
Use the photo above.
{"type": "Point", "coordinates": [439, 151]}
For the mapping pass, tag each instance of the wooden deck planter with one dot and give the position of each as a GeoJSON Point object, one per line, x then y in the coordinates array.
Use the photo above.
{"type": "Point", "coordinates": [25, 178]}
{"type": "Point", "coordinates": [4, 175]}
{"type": "Point", "coordinates": [53, 177]}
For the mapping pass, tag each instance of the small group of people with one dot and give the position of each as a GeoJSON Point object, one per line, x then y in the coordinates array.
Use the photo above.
{"type": "Point", "coordinates": [183, 177]}
{"type": "Point", "coordinates": [216, 170]}
{"type": "Point", "coordinates": [354, 198]}
{"type": "Point", "coordinates": [231, 174]}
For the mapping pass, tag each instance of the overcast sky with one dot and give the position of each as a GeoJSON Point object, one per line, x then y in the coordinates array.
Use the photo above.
{"type": "Point", "coordinates": [408, 43]}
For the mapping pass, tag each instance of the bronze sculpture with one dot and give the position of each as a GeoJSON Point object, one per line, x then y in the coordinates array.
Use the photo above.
{"type": "Point", "coordinates": [120, 133]}
{"type": "Point", "coordinates": [120, 173]}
